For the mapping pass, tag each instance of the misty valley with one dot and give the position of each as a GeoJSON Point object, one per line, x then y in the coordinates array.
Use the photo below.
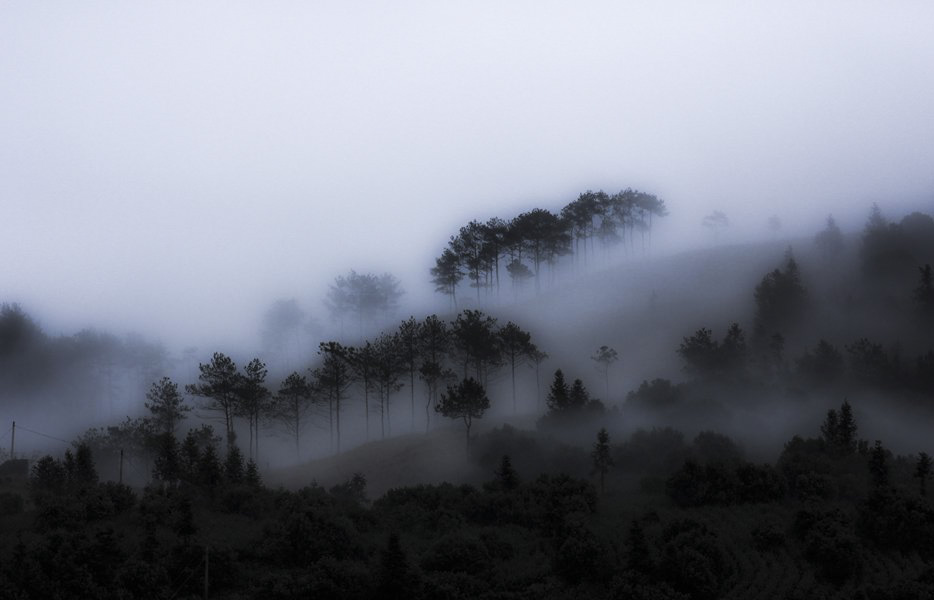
{"type": "Point", "coordinates": [585, 415]}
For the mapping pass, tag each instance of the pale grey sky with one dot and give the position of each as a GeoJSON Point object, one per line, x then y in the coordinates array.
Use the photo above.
{"type": "Point", "coordinates": [166, 166]}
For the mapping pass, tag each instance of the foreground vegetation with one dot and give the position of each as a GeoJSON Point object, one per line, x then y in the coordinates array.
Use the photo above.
{"type": "Point", "coordinates": [656, 516]}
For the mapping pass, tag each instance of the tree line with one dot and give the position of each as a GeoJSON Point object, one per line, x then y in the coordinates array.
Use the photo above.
{"type": "Point", "coordinates": [540, 237]}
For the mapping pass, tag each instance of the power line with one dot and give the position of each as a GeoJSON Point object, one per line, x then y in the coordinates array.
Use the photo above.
{"type": "Point", "coordinates": [51, 437]}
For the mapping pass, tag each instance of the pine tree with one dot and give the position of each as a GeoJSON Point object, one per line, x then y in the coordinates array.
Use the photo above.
{"type": "Point", "coordinates": [559, 394]}
{"type": "Point", "coordinates": [506, 475]}
{"type": "Point", "coordinates": [846, 432]}
{"type": "Point", "coordinates": [602, 460]}
{"type": "Point", "coordinates": [923, 471]}
{"type": "Point", "coordinates": [878, 469]}
{"type": "Point", "coordinates": [233, 465]}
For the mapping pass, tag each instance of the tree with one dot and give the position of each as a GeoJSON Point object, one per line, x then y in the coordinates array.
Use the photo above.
{"type": "Point", "coordinates": [775, 225]}
{"type": "Point", "coordinates": [604, 357]}
{"type": "Point", "coordinates": [397, 580]}
{"type": "Point", "coordinates": [253, 400]}
{"type": "Point", "coordinates": [282, 324]}
{"type": "Point", "coordinates": [538, 357]}
{"type": "Point", "coordinates": [830, 240]}
{"type": "Point", "coordinates": [333, 377]}
{"type": "Point", "coordinates": [878, 467]}
{"type": "Point", "coordinates": [366, 297]}
{"type": "Point", "coordinates": [408, 345]}
{"type": "Point", "coordinates": [473, 335]}
{"type": "Point", "coordinates": [559, 396]}
{"type": "Point", "coordinates": [924, 293]}
{"type": "Point", "coordinates": [716, 222]}
{"type": "Point", "coordinates": [219, 384]}
{"type": "Point", "coordinates": [600, 456]}
{"type": "Point", "coordinates": [543, 235]}
{"type": "Point", "coordinates": [363, 362]}
{"type": "Point", "coordinates": [519, 273]}
{"type": "Point", "coordinates": [780, 299]}
{"type": "Point", "coordinates": [168, 463]}
{"type": "Point", "coordinates": [469, 245]}
{"type": "Point", "coordinates": [388, 369]}
{"type": "Point", "coordinates": [506, 475]}
{"type": "Point", "coordinates": [516, 346]}
{"type": "Point", "coordinates": [467, 400]}
{"type": "Point", "coordinates": [292, 402]}
{"type": "Point", "coordinates": [166, 405]}
{"type": "Point", "coordinates": [446, 274]}
{"type": "Point", "coordinates": [922, 471]}
{"type": "Point", "coordinates": [434, 343]}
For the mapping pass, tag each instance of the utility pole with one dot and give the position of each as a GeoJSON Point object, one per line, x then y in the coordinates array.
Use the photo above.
{"type": "Point", "coordinates": [206, 572]}
{"type": "Point", "coordinates": [121, 466]}
{"type": "Point", "coordinates": [13, 442]}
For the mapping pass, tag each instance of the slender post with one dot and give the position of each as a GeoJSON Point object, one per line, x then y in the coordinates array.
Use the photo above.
{"type": "Point", "coordinates": [121, 466]}
{"type": "Point", "coordinates": [13, 442]}
{"type": "Point", "coordinates": [206, 561]}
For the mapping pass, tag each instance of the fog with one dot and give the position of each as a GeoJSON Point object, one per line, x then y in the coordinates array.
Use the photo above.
{"type": "Point", "coordinates": [172, 169]}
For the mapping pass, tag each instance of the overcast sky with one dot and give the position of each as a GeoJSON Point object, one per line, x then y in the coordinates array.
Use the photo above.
{"type": "Point", "coordinates": [169, 166]}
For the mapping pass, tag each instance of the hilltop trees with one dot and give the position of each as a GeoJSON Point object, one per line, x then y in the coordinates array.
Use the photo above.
{"type": "Point", "coordinates": [541, 237]}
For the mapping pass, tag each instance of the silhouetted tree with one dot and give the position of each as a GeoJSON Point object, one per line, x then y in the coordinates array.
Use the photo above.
{"type": "Point", "coordinates": [506, 476]}
{"type": "Point", "coordinates": [716, 222]}
{"type": "Point", "coordinates": [922, 471]}
{"type": "Point", "coordinates": [538, 357]}
{"type": "Point", "coordinates": [470, 247]}
{"type": "Point", "coordinates": [600, 457]}
{"type": "Point", "coordinates": [253, 400]}
{"type": "Point", "coordinates": [878, 466]}
{"type": "Point", "coordinates": [233, 465]}
{"type": "Point", "coordinates": [604, 357]}
{"type": "Point", "coordinates": [364, 297]}
{"type": "Point", "coordinates": [434, 344]}
{"type": "Point", "coordinates": [780, 299]}
{"type": "Point", "coordinates": [333, 377]}
{"type": "Point", "coordinates": [559, 395]}
{"type": "Point", "coordinates": [363, 361]}
{"type": "Point", "coordinates": [446, 274]}
{"type": "Point", "coordinates": [166, 405]}
{"type": "Point", "coordinates": [474, 339]}
{"type": "Point", "coordinates": [543, 236]}
{"type": "Point", "coordinates": [389, 368]}
{"type": "Point", "coordinates": [219, 384]}
{"type": "Point", "coordinates": [516, 346]}
{"type": "Point", "coordinates": [282, 327]}
{"type": "Point", "coordinates": [467, 400]}
{"type": "Point", "coordinates": [397, 579]}
{"type": "Point", "coordinates": [830, 240]}
{"type": "Point", "coordinates": [291, 405]}
{"type": "Point", "coordinates": [823, 365]}
{"type": "Point", "coordinates": [924, 293]}
{"type": "Point", "coordinates": [168, 463]}
{"type": "Point", "coordinates": [519, 273]}
{"type": "Point", "coordinates": [409, 354]}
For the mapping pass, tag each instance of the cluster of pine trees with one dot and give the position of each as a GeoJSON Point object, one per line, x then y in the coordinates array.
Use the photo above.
{"type": "Point", "coordinates": [540, 237]}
